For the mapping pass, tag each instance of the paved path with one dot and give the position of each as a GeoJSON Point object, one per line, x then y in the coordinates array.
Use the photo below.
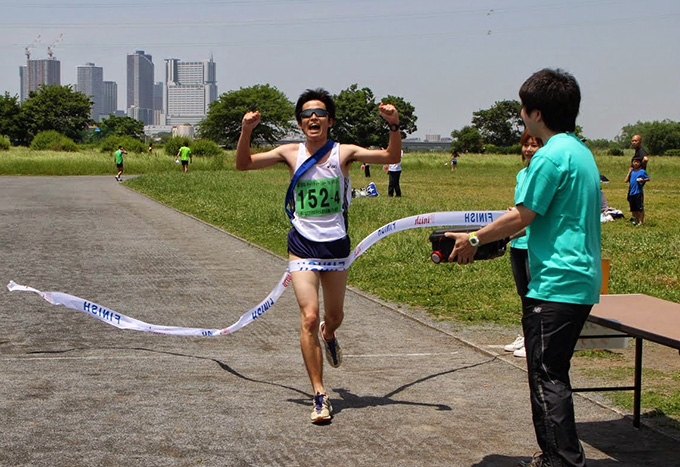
{"type": "Point", "coordinates": [76, 392]}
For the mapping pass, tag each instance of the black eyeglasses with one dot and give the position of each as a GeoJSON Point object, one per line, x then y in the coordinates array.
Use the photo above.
{"type": "Point", "coordinates": [307, 113]}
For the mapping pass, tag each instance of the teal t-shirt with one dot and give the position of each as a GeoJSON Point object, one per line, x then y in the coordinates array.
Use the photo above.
{"type": "Point", "coordinates": [521, 242]}
{"type": "Point", "coordinates": [562, 186]}
{"type": "Point", "coordinates": [184, 153]}
{"type": "Point", "coordinates": [119, 157]}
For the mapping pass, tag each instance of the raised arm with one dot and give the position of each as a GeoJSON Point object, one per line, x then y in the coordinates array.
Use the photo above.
{"type": "Point", "coordinates": [244, 159]}
{"type": "Point", "coordinates": [390, 155]}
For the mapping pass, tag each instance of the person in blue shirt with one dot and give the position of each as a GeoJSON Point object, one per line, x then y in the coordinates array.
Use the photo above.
{"type": "Point", "coordinates": [636, 178]}
{"type": "Point", "coordinates": [560, 200]}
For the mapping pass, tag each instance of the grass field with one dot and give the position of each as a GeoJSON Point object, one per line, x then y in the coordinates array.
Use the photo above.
{"type": "Point", "coordinates": [398, 269]}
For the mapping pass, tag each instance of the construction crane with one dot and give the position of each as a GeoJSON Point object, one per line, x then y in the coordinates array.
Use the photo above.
{"type": "Point", "coordinates": [50, 49]}
{"type": "Point", "coordinates": [30, 46]}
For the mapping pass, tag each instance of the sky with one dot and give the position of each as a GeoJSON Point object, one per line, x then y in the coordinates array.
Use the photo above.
{"type": "Point", "coordinates": [448, 58]}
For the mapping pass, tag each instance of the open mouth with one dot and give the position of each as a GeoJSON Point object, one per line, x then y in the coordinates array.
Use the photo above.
{"type": "Point", "coordinates": [314, 126]}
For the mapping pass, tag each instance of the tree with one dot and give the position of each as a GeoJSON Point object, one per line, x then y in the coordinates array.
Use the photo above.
{"type": "Point", "coordinates": [657, 136]}
{"type": "Point", "coordinates": [58, 108]}
{"type": "Point", "coordinates": [121, 126]}
{"type": "Point", "coordinates": [501, 124]}
{"type": "Point", "coordinates": [467, 139]}
{"type": "Point", "coordinates": [407, 118]}
{"type": "Point", "coordinates": [10, 115]}
{"type": "Point", "coordinates": [357, 120]}
{"type": "Point", "coordinates": [223, 121]}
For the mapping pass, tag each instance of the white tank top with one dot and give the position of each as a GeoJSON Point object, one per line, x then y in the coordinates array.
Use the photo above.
{"type": "Point", "coordinates": [322, 197]}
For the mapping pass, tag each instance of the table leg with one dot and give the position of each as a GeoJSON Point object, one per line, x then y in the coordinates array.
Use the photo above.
{"type": "Point", "coordinates": [638, 382]}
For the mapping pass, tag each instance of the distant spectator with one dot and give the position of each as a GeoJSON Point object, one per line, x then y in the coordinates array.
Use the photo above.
{"type": "Point", "coordinates": [636, 178]}
{"type": "Point", "coordinates": [119, 162]}
{"type": "Point", "coordinates": [394, 174]}
{"type": "Point", "coordinates": [184, 155]}
{"type": "Point", "coordinates": [454, 160]}
{"type": "Point", "coordinates": [640, 152]}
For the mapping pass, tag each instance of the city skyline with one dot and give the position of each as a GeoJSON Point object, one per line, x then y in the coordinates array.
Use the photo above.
{"type": "Point", "coordinates": [183, 96]}
{"type": "Point", "coordinates": [447, 58]}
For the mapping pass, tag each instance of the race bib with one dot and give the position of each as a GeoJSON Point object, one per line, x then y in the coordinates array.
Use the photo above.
{"type": "Point", "coordinates": [318, 197]}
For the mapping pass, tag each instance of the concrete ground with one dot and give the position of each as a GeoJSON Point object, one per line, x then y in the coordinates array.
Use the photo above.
{"type": "Point", "coordinates": [77, 392]}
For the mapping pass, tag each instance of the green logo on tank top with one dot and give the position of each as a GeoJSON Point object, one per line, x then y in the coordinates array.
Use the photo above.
{"type": "Point", "coordinates": [318, 197]}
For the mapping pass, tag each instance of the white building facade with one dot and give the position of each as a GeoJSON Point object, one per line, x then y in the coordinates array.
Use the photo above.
{"type": "Point", "coordinates": [190, 87]}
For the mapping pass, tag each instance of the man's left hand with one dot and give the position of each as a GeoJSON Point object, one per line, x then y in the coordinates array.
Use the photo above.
{"type": "Point", "coordinates": [463, 252]}
{"type": "Point", "coordinates": [389, 113]}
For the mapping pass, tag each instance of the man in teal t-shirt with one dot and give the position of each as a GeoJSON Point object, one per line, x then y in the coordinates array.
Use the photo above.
{"type": "Point", "coordinates": [184, 155]}
{"type": "Point", "coordinates": [562, 186]}
{"type": "Point", "coordinates": [560, 199]}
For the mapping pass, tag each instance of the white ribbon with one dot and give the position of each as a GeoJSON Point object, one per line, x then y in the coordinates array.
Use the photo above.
{"type": "Point", "coordinates": [119, 320]}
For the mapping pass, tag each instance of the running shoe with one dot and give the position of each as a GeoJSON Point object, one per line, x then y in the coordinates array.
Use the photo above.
{"type": "Point", "coordinates": [518, 344]}
{"type": "Point", "coordinates": [537, 461]}
{"type": "Point", "coordinates": [332, 348]}
{"type": "Point", "coordinates": [520, 353]}
{"type": "Point", "coordinates": [323, 411]}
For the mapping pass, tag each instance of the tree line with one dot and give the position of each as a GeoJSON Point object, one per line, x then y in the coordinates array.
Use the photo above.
{"type": "Point", "coordinates": [493, 130]}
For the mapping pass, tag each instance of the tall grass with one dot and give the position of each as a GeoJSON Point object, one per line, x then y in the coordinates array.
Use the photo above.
{"type": "Point", "coordinates": [24, 161]}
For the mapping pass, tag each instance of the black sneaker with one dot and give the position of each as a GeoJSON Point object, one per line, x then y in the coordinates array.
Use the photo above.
{"type": "Point", "coordinates": [537, 461]}
{"type": "Point", "coordinates": [333, 351]}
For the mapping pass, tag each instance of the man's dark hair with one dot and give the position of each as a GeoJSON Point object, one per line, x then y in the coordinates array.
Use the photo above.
{"type": "Point", "coordinates": [556, 94]}
{"type": "Point", "coordinates": [317, 94]}
{"type": "Point", "coordinates": [120, 147]}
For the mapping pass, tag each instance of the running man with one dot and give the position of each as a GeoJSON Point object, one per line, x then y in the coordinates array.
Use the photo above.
{"type": "Point", "coordinates": [322, 197]}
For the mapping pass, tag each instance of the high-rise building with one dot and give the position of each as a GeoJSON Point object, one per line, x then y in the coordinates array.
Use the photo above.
{"type": "Point", "coordinates": [37, 73]}
{"type": "Point", "coordinates": [140, 72]}
{"type": "Point", "coordinates": [91, 83]}
{"type": "Point", "coordinates": [109, 98]}
{"type": "Point", "coordinates": [190, 87]}
{"type": "Point", "coordinates": [158, 115]}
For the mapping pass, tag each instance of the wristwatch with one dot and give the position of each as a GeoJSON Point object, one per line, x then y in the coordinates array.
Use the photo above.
{"type": "Point", "coordinates": [474, 241]}
{"type": "Point", "coordinates": [394, 127]}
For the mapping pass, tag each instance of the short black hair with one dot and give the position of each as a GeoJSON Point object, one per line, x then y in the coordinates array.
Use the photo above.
{"type": "Point", "coordinates": [556, 94]}
{"type": "Point", "coordinates": [317, 94]}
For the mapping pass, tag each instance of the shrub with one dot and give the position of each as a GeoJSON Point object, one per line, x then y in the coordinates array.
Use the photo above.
{"type": "Point", "coordinates": [615, 152]}
{"type": "Point", "coordinates": [493, 149]}
{"type": "Point", "coordinates": [52, 140]}
{"type": "Point", "coordinates": [174, 143]}
{"type": "Point", "coordinates": [111, 143]}
{"type": "Point", "coordinates": [4, 143]}
{"type": "Point", "coordinates": [672, 152]}
{"type": "Point", "coordinates": [205, 147]}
